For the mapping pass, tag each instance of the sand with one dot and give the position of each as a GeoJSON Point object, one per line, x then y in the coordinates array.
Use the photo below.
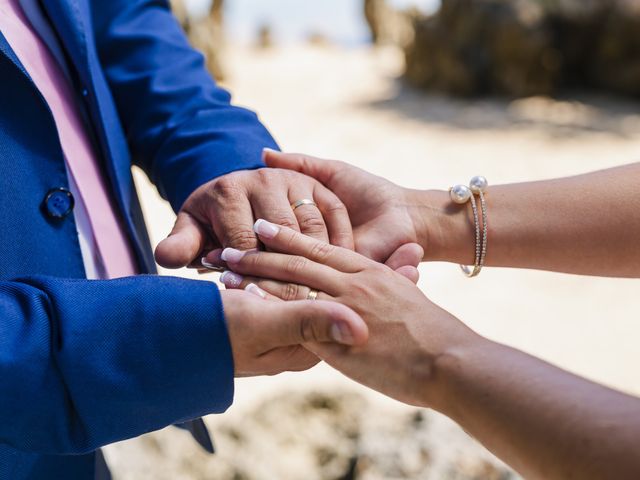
{"type": "Point", "coordinates": [347, 104]}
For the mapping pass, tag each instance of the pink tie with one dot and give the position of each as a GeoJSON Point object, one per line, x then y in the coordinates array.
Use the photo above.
{"type": "Point", "coordinates": [111, 243]}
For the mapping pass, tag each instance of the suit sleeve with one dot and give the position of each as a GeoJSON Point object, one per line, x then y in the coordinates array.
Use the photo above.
{"type": "Point", "coordinates": [181, 127]}
{"type": "Point", "coordinates": [87, 363]}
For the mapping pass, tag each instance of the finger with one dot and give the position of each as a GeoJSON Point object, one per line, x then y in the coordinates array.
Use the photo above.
{"type": "Point", "coordinates": [281, 239]}
{"type": "Point", "coordinates": [412, 273]}
{"type": "Point", "coordinates": [213, 260]}
{"type": "Point", "coordinates": [286, 268]}
{"type": "Point", "coordinates": [309, 216]}
{"type": "Point", "coordinates": [275, 207]}
{"type": "Point", "coordinates": [321, 170]}
{"type": "Point", "coordinates": [185, 242]}
{"type": "Point", "coordinates": [408, 254]}
{"type": "Point", "coordinates": [231, 217]}
{"type": "Point", "coordinates": [283, 290]}
{"type": "Point", "coordinates": [335, 216]}
{"type": "Point", "coordinates": [254, 289]}
{"type": "Point", "coordinates": [300, 322]}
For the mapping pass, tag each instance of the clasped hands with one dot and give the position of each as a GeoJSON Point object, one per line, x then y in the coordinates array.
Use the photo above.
{"type": "Point", "coordinates": [360, 294]}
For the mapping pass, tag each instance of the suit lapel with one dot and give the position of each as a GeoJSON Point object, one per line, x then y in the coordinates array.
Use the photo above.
{"type": "Point", "coordinates": [6, 49]}
{"type": "Point", "coordinates": [67, 21]}
{"type": "Point", "coordinates": [35, 13]}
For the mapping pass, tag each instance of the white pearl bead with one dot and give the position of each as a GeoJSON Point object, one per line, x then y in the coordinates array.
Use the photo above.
{"type": "Point", "coordinates": [460, 194]}
{"type": "Point", "coordinates": [478, 184]}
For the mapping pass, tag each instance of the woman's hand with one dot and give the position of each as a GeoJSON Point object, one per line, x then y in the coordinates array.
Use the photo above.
{"type": "Point", "coordinates": [383, 214]}
{"type": "Point", "coordinates": [407, 333]}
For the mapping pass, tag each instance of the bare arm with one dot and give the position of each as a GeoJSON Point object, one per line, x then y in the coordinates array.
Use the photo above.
{"type": "Point", "coordinates": [545, 422]}
{"type": "Point", "coordinates": [587, 224]}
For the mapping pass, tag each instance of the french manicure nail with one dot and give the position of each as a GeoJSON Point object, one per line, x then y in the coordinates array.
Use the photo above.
{"type": "Point", "coordinates": [210, 266]}
{"type": "Point", "coordinates": [231, 279]}
{"type": "Point", "coordinates": [266, 150]}
{"type": "Point", "coordinates": [256, 290]}
{"type": "Point", "coordinates": [265, 229]}
{"type": "Point", "coordinates": [232, 255]}
{"type": "Point", "coordinates": [341, 333]}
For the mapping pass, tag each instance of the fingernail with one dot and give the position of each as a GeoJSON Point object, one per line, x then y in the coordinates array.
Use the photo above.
{"type": "Point", "coordinates": [232, 255]}
{"type": "Point", "coordinates": [256, 290]}
{"type": "Point", "coordinates": [266, 150]}
{"type": "Point", "coordinates": [341, 333]}
{"type": "Point", "coordinates": [210, 266]}
{"type": "Point", "coordinates": [230, 279]}
{"type": "Point", "coordinates": [265, 229]}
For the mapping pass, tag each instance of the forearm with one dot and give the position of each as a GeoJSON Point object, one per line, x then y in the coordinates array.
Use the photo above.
{"type": "Point", "coordinates": [588, 224]}
{"type": "Point", "coordinates": [86, 363]}
{"type": "Point", "coordinates": [547, 423]}
{"type": "Point", "coordinates": [181, 127]}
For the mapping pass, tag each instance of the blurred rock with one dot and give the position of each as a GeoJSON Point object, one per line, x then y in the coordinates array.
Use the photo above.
{"type": "Point", "coordinates": [388, 25]}
{"type": "Point", "coordinates": [265, 37]}
{"type": "Point", "coordinates": [526, 47]}
{"type": "Point", "coordinates": [205, 34]}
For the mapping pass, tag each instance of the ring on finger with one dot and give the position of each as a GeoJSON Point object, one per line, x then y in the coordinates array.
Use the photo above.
{"type": "Point", "coordinates": [312, 295]}
{"type": "Point", "coordinates": [299, 203]}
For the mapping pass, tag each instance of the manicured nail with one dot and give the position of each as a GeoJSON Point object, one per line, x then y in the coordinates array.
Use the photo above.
{"type": "Point", "coordinates": [230, 279]}
{"type": "Point", "coordinates": [210, 266]}
{"type": "Point", "coordinates": [341, 333]}
{"type": "Point", "coordinates": [232, 255]}
{"type": "Point", "coordinates": [266, 150]}
{"type": "Point", "coordinates": [265, 229]}
{"type": "Point", "coordinates": [256, 290]}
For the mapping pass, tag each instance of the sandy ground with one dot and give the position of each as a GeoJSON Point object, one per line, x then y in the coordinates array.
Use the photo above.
{"type": "Point", "coordinates": [347, 104]}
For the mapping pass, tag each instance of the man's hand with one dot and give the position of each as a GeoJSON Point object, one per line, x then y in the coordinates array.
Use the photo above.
{"type": "Point", "coordinates": [221, 214]}
{"type": "Point", "coordinates": [379, 210]}
{"type": "Point", "coordinates": [267, 335]}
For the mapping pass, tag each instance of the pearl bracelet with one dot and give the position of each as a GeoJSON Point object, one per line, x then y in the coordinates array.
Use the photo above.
{"type": "Point", "coordinates": [462, 194]}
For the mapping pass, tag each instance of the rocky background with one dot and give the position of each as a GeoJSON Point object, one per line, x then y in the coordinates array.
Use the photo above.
{"type": "Point", "coordinates": [315, 435]}
{"type": "Point", "coordinates": [516, 48]}
{"type": "Point", "coordinates": [526, 47]}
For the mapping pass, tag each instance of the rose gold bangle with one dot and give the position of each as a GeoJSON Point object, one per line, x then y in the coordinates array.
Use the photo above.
{"type": "Point", "coordinates": [462, 194]}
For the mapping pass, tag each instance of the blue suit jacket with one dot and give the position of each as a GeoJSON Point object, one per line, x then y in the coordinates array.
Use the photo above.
{"type": "Point", "coordinates": [86, 363]}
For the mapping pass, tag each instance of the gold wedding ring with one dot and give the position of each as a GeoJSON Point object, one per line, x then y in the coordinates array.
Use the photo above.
{"type": "Point", "coordinates": [300, 203]}
{"type": "Point", "coordinates": [313, 295]}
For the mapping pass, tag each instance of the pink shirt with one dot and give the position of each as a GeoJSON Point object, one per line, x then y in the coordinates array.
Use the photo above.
{"type": "Point", "coordinates": [106, 250]}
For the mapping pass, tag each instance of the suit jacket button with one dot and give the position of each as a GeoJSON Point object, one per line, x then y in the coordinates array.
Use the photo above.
{"type": "Point", "coordinates": [58, 203]}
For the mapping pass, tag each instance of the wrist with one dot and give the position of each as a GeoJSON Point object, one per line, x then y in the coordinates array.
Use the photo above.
{"type": "Point", "coordinates": [444, 229]}
{"type": "Point", "coordinates": [449, 371]}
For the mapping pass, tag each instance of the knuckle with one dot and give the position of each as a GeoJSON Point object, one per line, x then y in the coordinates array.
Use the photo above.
{"type": "Point", "coordinates": [311, 223]}
{"type": "Point", "coordinates": [307, 329]}
{"type": "Point", "coordinates": [284, 219]}
{"type": "Point", "coordinates": [227, 187]}
{"type": "Point", "coordinates": [336, 207]}
{"type": "Point", "coordinates": [321, 251]}
{"type": "Point", "coordinates": [265, 175]}
{"type": "Point", "coordinates": [241, 238]}
{"type": "Point", "coordinates": [290, 291]}
{"type": "Point", "coordinates": [296, 265]}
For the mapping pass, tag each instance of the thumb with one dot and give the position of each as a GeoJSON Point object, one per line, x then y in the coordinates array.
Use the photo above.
{"type": "Point", "coordinates": [314, 321]}
{"type": "Point", "coordinates": [321, 170]}
{"type": "Point", "coordinates": [183, 245]}
{"type": "Point", "coordinates": [410, 254]}
{"type": "Point", "coordinates": [412, 273]}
